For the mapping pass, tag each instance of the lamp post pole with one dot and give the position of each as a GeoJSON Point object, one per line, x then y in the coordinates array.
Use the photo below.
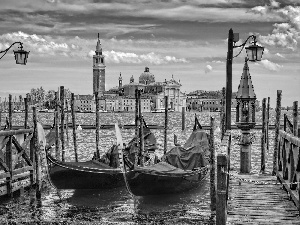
{"type": "Point", "coordinates": [229, 81]}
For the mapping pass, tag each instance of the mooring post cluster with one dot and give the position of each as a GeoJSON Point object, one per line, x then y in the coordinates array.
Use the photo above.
{"type": "Point", "coordinates": [29, 169]}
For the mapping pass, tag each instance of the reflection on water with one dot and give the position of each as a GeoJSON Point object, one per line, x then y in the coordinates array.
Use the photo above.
{"type": "Point", "coordinates": [117, 206]}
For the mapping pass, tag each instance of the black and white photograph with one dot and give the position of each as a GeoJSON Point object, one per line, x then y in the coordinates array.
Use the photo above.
{"type": "Point", "coordinates": [149, 112]}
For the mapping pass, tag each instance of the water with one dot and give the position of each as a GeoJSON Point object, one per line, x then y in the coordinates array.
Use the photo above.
{"type": "Point", "coordinates": [117, 206]}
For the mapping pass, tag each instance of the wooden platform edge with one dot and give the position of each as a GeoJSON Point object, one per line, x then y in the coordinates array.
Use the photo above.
{"type": "Point", "coordinates": [292, 193]}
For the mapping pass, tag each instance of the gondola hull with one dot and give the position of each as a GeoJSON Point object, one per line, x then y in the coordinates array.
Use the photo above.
{"type": "Point", "coordinates": [65, 178]}
{"type": "Point", "coordinates": [83, 175]}
{"type": "Point", "coordinates": [144, 184]}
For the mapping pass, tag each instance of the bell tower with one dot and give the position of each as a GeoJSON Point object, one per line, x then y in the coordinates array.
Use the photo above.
{"type": "Point", "coordinates": [98, 70]}
{"type": "Point", "coordinates": [120, 80]}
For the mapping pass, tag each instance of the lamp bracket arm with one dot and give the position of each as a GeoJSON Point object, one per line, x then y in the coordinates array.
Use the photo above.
{"type": "Point", "coordinates": [243, 45]}
{"type": "Point", "coordinates": [239, 52]}
{"type": "Point", "coordinates": [6, 50]}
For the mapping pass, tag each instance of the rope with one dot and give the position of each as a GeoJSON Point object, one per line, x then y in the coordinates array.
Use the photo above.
{"type": "Point", "coordinates": [258, 182]}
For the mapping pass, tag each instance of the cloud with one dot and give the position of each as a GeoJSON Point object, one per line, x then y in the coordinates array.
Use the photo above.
{"type": "Point", "coordinates": [127, 57]}
{"type": "Point", "coordinates": [274, 4]}
{"type": "Point", "coordinates": [194, 10]}
{"type": "Point", "coordinates": [208, 68]}
{"type": "Point", "coordinates": [218, 61]}
{"type": "Point", "coordinates": [270, 65]}
{"type": "Point", "coordinates": [121, 51]}
{"type": "Point", "coordinates": [279, 55]}
{"type": "Point", "coordinates": [36, 43]}
{"type": "Point", "coordinates": [285, 34]}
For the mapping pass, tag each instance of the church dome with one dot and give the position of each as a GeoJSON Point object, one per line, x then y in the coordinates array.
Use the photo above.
{"type": "Point", "coordinates": [146, 77]}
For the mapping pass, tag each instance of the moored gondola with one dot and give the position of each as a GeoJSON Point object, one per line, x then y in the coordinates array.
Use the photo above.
{"type": "Point", "coordinates": [181, 169]}
{"type": "Point", "coordinates": [92, 174]}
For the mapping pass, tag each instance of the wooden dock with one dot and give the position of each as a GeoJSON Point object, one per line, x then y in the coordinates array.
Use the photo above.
{"type": "Point", "coordinates": [257, 199]}
{"type": "Point", "coordinates": [266, 197]}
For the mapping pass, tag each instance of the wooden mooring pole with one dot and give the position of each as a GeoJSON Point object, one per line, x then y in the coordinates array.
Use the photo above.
{"type": "Point", "coordinates": [1, 108]}
{"type": "Point", "coordinates": [136, 125]}
{"type": "Point", "coordinates": [56, 116]}
{"type": "Point", "coordinates": [221, 210]}
{"type": "Point", "coordinates": [267, 125]}
{"type": "Point", "coordinates": [62, 121]}
{"type": "Point", "coordinates": [36, 147]}
{"type": "Point", "coordinates": [9, 150]}
{"type": "Point", "coordinates": [295, 118]}
{"type": "Point", "coordinates": [212, 166]}
{"type": "Point", "coordinates": [166, 125]}
{"type": "Point", "coordinates": [67, 121]}
{"type": "Point", "coordinates": [26, 115]}
{"type": "Point", "coordinates": [97, 125]}
{"type": "Point", "coordinates": [263, 137]}
{"type": "Point", "coordinates": [222, 120]}
{"type": "Point", "coordinates": [277, 127]}
{"type": "Point", "coordinates": [183, 118]}
{"type": "Point", "coordinates": [141, 133]}
{"type": "Point", "coordinates": [74, 125]}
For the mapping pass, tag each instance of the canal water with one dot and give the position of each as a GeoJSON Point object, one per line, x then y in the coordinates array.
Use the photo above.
{"type": "Point", "coordinates": [117, 206]}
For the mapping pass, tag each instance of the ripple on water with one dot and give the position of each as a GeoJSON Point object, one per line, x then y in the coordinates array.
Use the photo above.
{"type": "Point", "coordinates": [117, 206]}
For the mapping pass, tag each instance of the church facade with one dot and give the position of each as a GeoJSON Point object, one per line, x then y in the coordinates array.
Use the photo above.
{"type": "Point", "coordinates": [152, 90]}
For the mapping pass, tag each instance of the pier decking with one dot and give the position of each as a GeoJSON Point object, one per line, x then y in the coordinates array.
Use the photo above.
{"type": "Point", "coordinates": [259, 199]}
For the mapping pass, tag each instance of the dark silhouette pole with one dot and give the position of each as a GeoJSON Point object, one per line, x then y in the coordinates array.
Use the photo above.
{"type": "Point", "coordinates": [229, 81]}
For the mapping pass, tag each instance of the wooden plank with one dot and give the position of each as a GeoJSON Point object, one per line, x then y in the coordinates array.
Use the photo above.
{"type": "Point", "coordinates": [21, 151]}
{"type": "Point", "coordinates": [22, 170]}
{"type": "Point", "coordinates": [3, 142]}
{"type": "Point", "coordinates": [294, 195]}
{"type": "Point", "coordinates": [290, 137]}
{"type": "Point", "coordinates": [20, 184]}
{"type": "Point", "coordinates": [15, 132]}
{"type": "Point", "coordinates": [4, 166]}
{"type": "Point", "coordinates": [4, 175]}
{"type": "Point", "coordinates": [252, 203]}
{"type": "Point", "coordinates": [21, 175]}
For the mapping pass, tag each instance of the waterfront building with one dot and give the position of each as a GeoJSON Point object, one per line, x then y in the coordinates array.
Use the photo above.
{"type": "Point", "coordinates": [84, 103]}
{"type": "Point", "coordinates": [206, 101]}
{"type": "Point", "coordinates": [155, 91]}
{"type": "Point", "coordinates": [127, 104]}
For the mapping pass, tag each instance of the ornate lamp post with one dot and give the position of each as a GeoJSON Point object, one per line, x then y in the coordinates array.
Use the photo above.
{"type": "Point", "coordinates": [254, 53]}
{"type": "Point", "coordinates": [245, 117]}
{"type": "Point", "coordinates": [20, 55]}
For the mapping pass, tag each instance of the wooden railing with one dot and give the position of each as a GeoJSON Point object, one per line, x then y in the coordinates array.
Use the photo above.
{"type": "Point", "coordinates": [20, 162]}
{"type": "Point", "coordinates": [287, 124]}
{"type": "Point", "coordinates": [289, 164]}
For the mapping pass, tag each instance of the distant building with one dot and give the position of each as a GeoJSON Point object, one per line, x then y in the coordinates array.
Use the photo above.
{"type": "Point", "coordinates": [206, 101]}
{"type": "Point", "coordinates": [84, 103]}
{"type": "Point", "coordinates": [154, 91]}
{"type": "Point", "coordinates": [98, 70]}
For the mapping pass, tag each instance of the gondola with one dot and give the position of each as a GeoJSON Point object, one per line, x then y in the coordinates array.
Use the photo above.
{"type": "Point", "coordinates": [100, 173]}
{"type": "Point", "coordinates": [181, 169]}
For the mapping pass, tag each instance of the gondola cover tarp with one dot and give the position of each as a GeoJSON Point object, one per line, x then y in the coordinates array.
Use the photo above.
{"type": "Point", "coordinates": [193, 154]}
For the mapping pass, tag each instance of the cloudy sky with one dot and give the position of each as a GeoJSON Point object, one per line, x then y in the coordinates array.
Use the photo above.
{"type": "Point", "coordinates": [185, 38]}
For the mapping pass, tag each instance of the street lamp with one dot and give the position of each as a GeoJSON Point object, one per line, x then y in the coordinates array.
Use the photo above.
{"type": "Point", "coordinates": [20, 55]}
{"type": "Point", "coordinates": [254, 53]}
